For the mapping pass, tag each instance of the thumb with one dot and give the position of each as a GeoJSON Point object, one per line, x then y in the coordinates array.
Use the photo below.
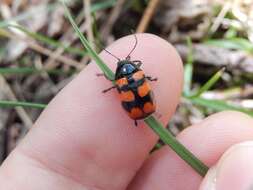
{"type": "Point", "coordinates": [233, 171]}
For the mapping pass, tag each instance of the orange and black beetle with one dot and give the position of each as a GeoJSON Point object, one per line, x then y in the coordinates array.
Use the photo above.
{"type": "Point", "coordinates": [135, 92]}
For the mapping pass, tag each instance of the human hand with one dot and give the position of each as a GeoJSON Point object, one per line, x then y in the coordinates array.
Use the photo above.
{"type": "Point", "coordinates": [84, 140]}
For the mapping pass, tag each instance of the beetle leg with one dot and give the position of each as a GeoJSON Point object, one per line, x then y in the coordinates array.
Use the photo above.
{"type": "Point", "coordinates": [102, 74]}
{"type": "Point", "coordinates": [135, 123]}
{"type": "Point", "coordinates": [150, 78]}
{"type": "Point", "coordinates": [139, 63]}
{"type": "Point", "coordinates": [108, 89]}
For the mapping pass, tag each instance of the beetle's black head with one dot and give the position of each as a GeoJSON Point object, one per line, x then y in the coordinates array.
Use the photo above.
{"type": "Point", "coordinates": [125, 68]}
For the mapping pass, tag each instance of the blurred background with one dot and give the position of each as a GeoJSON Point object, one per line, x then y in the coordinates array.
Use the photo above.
{"type": "Point", "coordinates": [40, 53]}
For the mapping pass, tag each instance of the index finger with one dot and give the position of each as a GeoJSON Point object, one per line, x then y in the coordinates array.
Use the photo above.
{"type": "Point", "coordinates": [85, 135]}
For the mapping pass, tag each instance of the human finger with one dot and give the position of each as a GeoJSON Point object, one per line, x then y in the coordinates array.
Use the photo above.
{"type": "Point", "coordinates": [208, 140]}
{"type": "Point", "coordinates": [85, 137]}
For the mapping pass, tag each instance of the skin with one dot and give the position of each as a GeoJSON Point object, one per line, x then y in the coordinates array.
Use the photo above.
{"type": "Point", "coordinates": [84, 140]}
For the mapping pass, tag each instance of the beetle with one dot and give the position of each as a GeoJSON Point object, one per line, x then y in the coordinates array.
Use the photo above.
{"type": "Point", "coordinates": [132, 85]}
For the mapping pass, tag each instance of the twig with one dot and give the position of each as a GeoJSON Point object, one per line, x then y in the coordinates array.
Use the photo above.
{"type": "Point", "coordinates": [89, 22]}
{"type": "Point", "coordinates": [220, 17]}
{"type": "Point", "coordinates": [232, 94]}
{"type": "Point", "coordinates": [211, 55]}
{"type": "Point", "coordinates": [38, 65]}
{"type": "Point", "coordinates": [33, 45]}
{"type": "Point", "coordinates": [21, 112]}
{"type": "Point", "coordinates": [107, 27]}
{"type": "Point", "coordinates": [48, 52]}
{"type": "Point", "coordinates": [68, 38]}
{"type": "Point", "coordinates": [147, 16]}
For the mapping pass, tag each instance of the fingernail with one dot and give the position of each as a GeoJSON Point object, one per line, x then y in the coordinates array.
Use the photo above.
{"type": "Point", "coordinates": [233, 171]}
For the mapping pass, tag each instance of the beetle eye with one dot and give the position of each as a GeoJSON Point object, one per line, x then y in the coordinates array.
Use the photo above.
{"type": "Point", "coordinates": [124, 70]}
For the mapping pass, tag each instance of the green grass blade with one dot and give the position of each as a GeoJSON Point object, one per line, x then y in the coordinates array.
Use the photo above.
{"type": "Point", "coordinates": [232, 32]}
{"type": "Point", "coordinates": [170, 140]}
{"type": "Point", "coordinates": [30, 70]}
{"type": "Point", "coordinates": [188, 70]}
{"type": "Point", "coordinates": [85, 43]}
{"type": "Point", "coordinates": [209, 84]}
{"type": "Point", "coordinates": [218, 105]}
{"type": "Point", "coordinates": [151, 121]}
{"type": "Point", "coordinates": [5, 103]}
{"type": "Point", "coordinates": [97, 35]}
{"type": "Point", "coordinates": [233, 43]}
{"type": "Point", "coordinates": [102, 5]}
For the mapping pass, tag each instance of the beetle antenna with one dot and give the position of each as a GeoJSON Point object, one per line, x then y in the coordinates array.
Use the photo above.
{"type": "Point", "coordinates": [111, 54]}
{"type": "Point", "coordinates": [101, 47]}
{"type": "Point", "coordinates": [135, 44]}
